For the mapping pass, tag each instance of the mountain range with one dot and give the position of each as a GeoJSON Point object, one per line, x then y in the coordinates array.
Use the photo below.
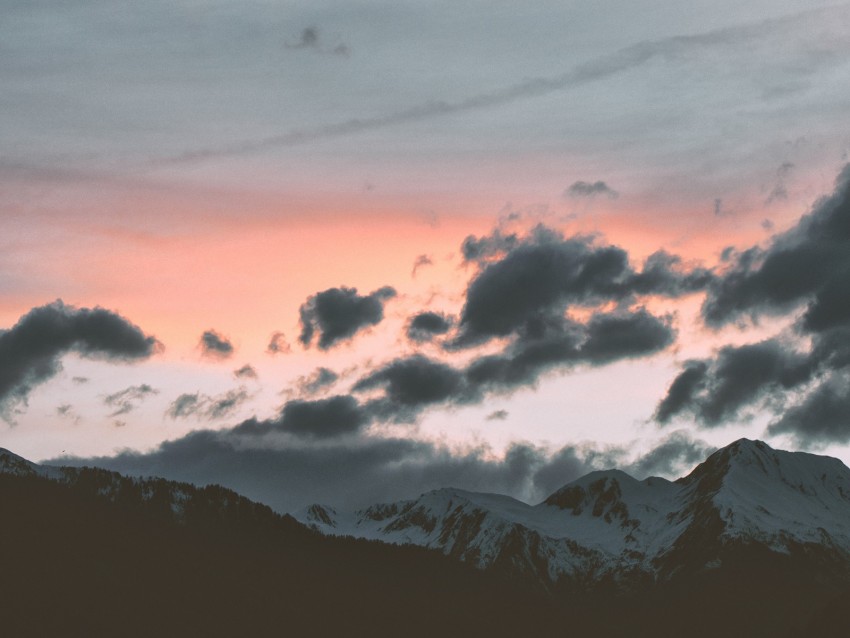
{"type": "Point", "coordinates": [753, 542]}
{"type": "Point", "coordinates": [609, 526]}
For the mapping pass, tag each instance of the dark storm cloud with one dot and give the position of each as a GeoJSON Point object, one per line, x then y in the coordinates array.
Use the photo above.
{"type": "Point", "coordinates": [424, 326]}
{"type": "Point", "coordinates": [322, 418]}
{"type": "Point", "coordinates": [498, 415]}
{"type": "Point", "coordinates": [605, 338]}
{"type": "Point", "coordinates": [310, 420]}
{"type": "Point", "coordinates": [245, 372]}
{"type": "Point", "coordinates": [203, 406]}
{"type": "Point", "coordinates": [590, 189]}
{"type": "Point", "coordinates": [823, 416]}
{"type": "Point", "coordinates": [666, 275]}
{"type": "Point", "coordinates": [278, 344]}
{"type": "Point", "coordinates": [806, 268]}
{"type": "Point", "coordinates": [715, 391]}
{"type": "Point", "coordinates": [809, 264]}
{"type": "Point", "coordinates": [30, 351]}
{"type": "Point", "coordinates": [128, 399]}
{"type": "Point", "coordinates": [682, 393]}
{"type": "Point", "coordinates": [320, 379]}
{"type": "Point", "coordinates": [544, 274]}
{"type": "Point", "coordinates": [410, 385]}
{"type": "Point", "coordinates": [615, 336]}
{"type": "Point", "coordinates": [215, 345]}
{"type": "Point", "coordinates": [337, 314]}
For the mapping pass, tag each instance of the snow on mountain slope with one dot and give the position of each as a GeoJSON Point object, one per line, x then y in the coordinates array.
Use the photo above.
{"type": "Point", "coordinates": [608, 523]}
{"type": "Point", "coordinates": [779, 497]}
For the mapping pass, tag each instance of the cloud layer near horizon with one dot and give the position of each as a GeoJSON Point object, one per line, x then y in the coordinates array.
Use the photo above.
{"type": "Point", "coordinates": [364, 470]}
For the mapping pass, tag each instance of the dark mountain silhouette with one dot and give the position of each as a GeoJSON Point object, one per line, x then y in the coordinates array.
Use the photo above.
{"type": "Point", "coordinates": [86, 552]}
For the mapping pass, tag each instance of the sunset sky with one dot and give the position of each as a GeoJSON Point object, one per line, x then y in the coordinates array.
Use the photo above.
{"type": "Point", "coordinates": [352, 251]}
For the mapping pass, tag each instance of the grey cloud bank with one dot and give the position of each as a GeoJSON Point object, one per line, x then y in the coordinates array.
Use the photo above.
{"type": "Point", "coordinates": [365, 470]}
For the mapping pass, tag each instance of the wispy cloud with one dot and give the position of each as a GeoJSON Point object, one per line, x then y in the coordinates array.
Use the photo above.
{"type": "Point", "coordinates": [620, 61]}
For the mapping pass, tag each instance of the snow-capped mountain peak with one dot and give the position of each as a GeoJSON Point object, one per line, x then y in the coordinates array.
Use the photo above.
{"type": "Point", "coordinates": [608, 522]}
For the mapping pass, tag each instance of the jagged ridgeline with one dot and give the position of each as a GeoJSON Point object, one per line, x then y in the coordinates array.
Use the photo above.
{"type": "Point", "coordinates": [745, 499]}
{"type": "Point", "coordinates": [754, 542]}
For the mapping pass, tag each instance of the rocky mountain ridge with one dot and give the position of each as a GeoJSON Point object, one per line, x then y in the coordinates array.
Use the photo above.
{"type": "Point", "coordinates": [610, 526]}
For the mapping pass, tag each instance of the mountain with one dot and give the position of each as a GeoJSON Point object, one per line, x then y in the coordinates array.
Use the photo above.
{"type": "Point", "coordinates": [752, 543]}
{"type": "Point", "coordinates": [86, 552]}
{"type": "Point", "coordinates": [609, 527]}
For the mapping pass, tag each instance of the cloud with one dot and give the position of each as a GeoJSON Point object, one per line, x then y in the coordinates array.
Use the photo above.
{"type": "Point", "coordinates": [329, 418]}
{"type": "Point", "coordinates": [278, 344]}
{"type": "Point", "coordinates": [780, 190]}
{"type": "Point", "coordinates": [215, 345]}
{"type": "Point", "coordinates": [605, 338]}
{"type": "Point", "coordinates": [245, 372]}
{"type": "Point", "coordinates": [323, 417]}
{"type": "Point", "coordinates": [482, 249]}
{"type": "Point", "coordinates": [361, 470]}
{"type": "Point", "coordinates": [31, 350]}
{"type": "Point", "coordinates": [593, 70]}
{"type": "Point", "coordinates": [320, 379]}
{"type": "Point", "coordinates": [337, 314]}
{"type": "Point", "coordinates": [420, 262]}
{"type": "Point", "coordinates": [670, 456]}
{"type": "Point", "coordinates": [128, 399]}
{"type": "Point", "coordinates": [184, 405]}
{"type": "Point", "coordinates": [410, 384]}
{"type": "Point", "coordinates": [801, 376]}
{"type": "Point", "coordinates": [544, 274]}
{"type": "Point", "coordinates": [498, 415]}
{"type": "Point", "coordinates": [211, 408]}
{"type": "Point", "coordinates": [823, 416]}
{"type": "Point", "coordinates": [310, 39]}
{"type": "Point", "coordinates": [714, 391]}
{"type": "Point", "coordinates": [424, 326]}
{"type": "Point", "coordinates": [590, 189]}
{"type": "Point", "coordinates": [67, 411]}
{"type": "Point", "coordinates": [719, 210]}
{"type": "Point", "coordinates": [808, 264]}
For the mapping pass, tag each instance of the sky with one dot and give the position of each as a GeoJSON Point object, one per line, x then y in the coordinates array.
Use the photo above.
{"type": "Point", "coordinates": [345, 252]}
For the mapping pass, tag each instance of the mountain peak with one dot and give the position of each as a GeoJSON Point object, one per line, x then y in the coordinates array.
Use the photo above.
{"type": "Point", "coordinates": [11, 463]}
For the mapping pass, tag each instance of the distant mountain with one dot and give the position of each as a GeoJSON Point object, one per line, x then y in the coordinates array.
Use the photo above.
{"type": "Point", "coordinates": [87, 552]}
{"type": "Point", "coordinates": [608, 526]}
